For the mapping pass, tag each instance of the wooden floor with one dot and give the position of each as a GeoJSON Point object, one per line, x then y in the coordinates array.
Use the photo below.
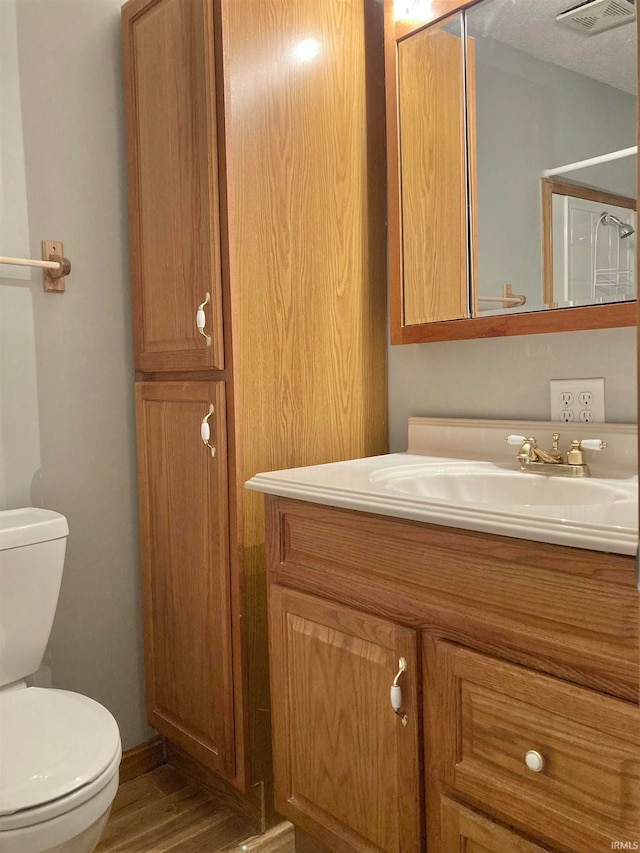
{"type": "Point", "coordinates": [162, 811]}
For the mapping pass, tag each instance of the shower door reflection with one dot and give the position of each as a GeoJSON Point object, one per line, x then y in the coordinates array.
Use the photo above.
{"type": "Point", "coordinates": [589, 245]}
{"type": "Point", "coordinates": [547, 96]}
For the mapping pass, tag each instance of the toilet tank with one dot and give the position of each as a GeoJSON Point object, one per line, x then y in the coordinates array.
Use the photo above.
{"type": "Point", "coordinates": [32, 546]}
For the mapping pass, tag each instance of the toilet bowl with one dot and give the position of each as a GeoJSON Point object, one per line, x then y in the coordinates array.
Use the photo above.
{"type": "Point", "coordinates": [59, 751]}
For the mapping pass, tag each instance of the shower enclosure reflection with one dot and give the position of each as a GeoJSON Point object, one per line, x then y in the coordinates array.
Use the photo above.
{"type": "Point", "coordinates": [589, 245]}
{"type": "Point", "coordinates": [547, 95]}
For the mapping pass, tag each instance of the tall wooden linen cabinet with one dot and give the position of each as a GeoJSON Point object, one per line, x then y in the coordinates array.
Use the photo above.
{"type": "Point", "coordinates": [255, 136]}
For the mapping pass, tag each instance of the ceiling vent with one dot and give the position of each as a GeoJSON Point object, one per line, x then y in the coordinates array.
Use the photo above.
{"type": "Point", "coordinates": [597, 16]}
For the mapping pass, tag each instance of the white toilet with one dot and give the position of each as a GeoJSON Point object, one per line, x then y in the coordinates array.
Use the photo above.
{"type": "Point", "coordinates": [59, 751]}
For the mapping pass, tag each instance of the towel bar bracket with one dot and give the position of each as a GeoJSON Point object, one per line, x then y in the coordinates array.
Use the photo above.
{"type": "Point", "coordinates": [54, 279]}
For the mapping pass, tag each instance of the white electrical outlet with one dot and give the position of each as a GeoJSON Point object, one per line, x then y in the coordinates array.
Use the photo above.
{"type": "Point", "coordinates": [577, 400]}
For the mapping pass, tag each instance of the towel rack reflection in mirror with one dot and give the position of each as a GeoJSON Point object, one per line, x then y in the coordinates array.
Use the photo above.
{"type": "Point", "coordinates": [509, 299]}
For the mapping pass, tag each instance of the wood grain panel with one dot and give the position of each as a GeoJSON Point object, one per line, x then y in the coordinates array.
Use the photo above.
{"type": "Point", "coordinates": [433, 174]}
{"type": "Point", "coordinates": [571, 611]}
{"type": "Point", "coordinates": [464, 831]}
{"type": "Point", "coordinates": [491, 713]}
{"type": "Point", "coordinates": [173, 197]}
{"type": "Point", "coordinates": [307, 233]}
{"type": "Point", "coordinates": [184, 555]}
{"type": "Point", "coordinates": [304, 148]}
{"type": "Point", "coordinates": [346, 768]}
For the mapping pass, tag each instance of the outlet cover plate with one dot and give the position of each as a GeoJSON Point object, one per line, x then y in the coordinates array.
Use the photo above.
{"type": "Point", "coordinates": [577, 400]}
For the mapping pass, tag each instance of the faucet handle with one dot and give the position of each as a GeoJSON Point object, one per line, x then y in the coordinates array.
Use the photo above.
{"type": "Point", "coordinates": [592, 444]}
{"type": "Point", "coordinates": [575, 455]}
{"type": "Point", "coordinates": [517, 440]}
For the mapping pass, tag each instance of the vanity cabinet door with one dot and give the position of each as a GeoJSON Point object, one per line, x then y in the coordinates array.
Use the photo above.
{"type": "Point", "coordinates": [185, 568]}
{"type": "Point", "coordinates": [555, 760]}
{"type": "Point", "coordinates": [346, 767]}
{"type": "Point", "coordinates": [173, 184]}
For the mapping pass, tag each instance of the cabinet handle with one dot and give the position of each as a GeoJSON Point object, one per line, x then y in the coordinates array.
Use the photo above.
{"type": "Point", "coordinates": [396, 692]}
{"type": "Point", "coordinates": [205, 430]}
{"type": "Point", "coordinates": [201, 319]}
{"type": "Point", "coordinates": [534, 761]}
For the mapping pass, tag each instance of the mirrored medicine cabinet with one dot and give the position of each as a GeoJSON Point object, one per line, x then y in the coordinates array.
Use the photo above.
{"type": "Point", "coordinates": [512, 149]}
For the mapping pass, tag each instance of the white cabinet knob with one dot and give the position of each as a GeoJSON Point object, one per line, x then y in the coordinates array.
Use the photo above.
{"type": "Point", "coordinates": [534, 761]}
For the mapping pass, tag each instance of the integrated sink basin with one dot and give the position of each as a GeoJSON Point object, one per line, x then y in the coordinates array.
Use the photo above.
{"type": "Point", "coordinates": [460, 473]}
{"type": "Point", "coordinates": [469, 483]}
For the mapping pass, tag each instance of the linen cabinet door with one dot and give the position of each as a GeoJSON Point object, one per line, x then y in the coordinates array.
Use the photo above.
{"type": "Point", "coordinates": [185, 567]}
{"type": "Point", "coordinates": [173, 184]}
{"type": "Point", "coordinates": [346, 767]}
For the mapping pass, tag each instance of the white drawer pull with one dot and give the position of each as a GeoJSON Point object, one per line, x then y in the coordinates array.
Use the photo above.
{"type": "Point", "coordinates": [396, 693]}
{"type": "Point", "coordinates": [205, 430]}
{"type": "Point", "coordinates": [201, 319]}
{"type": "Point", "coordinates": [534, 761]}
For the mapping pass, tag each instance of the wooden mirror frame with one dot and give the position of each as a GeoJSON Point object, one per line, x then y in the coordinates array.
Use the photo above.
{"type": "Point", "coordinates": [610, 315]}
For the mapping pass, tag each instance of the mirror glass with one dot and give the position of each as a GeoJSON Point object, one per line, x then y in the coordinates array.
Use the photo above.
{"type": "Point", "coordinates": [549, 229]}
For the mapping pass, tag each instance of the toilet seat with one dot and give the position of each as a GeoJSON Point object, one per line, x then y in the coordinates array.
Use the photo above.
{"type": "Point", "coordinates": [59, 749]}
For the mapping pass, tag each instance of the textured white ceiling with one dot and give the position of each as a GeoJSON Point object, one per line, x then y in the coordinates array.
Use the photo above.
{"type": "Point", "coordinates": [531, 26]}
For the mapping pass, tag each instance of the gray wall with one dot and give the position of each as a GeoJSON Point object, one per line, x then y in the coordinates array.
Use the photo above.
{"type": "Point", "coordinates": [66, 373]}
{"type": "Point", "coordinates": [508, 377]}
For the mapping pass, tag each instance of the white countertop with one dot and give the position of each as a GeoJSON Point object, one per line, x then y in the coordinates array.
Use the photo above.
{"type": "Point", "coordinates": [366, 484]}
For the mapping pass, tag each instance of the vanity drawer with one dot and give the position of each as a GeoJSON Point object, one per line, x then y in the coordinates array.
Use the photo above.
{"type": "Point", "coordinates": [567, 611]}
{"type": "Point", "coordinates": [463, 829]}
{"type": "Point", "coordinates": [492, 715]}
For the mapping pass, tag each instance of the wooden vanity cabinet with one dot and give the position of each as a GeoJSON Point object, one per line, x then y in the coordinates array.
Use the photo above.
{"type": "Point", "coordinates": [256, 175]}
{"type": "Point", "coordinates": [525, 649]}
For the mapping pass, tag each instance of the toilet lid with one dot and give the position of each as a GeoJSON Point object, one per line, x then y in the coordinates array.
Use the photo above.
{"type": "Point", "coordinates": [51, 743]}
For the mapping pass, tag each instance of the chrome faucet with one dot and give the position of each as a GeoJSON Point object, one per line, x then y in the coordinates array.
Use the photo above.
{"type": "Point", "coordinates": [534, 459]}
